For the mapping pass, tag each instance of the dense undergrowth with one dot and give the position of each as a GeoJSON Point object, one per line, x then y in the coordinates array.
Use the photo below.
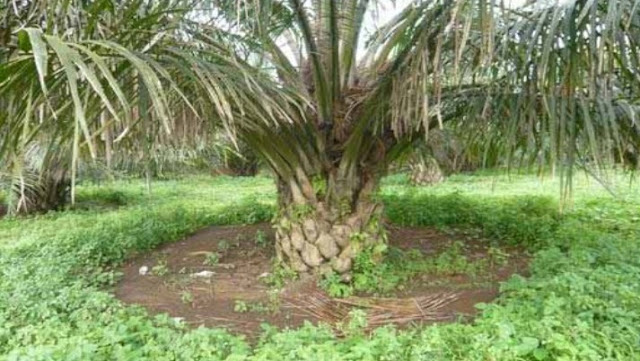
{"type": "Point", "coordinates": [582, 301]}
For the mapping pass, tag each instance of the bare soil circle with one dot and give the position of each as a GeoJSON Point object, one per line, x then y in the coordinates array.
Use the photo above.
{"type": "Point", "coordinates": [216, 276]}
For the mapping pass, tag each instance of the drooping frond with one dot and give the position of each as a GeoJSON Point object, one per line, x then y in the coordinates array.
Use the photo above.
{"type": "Point", "coordinates": [559, 81]}
{"type": "Point", "coordinates": [70, 74]}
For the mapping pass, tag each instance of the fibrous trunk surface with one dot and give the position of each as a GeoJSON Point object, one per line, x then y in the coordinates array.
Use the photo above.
{"type": "Point", "coordinates": [321, 236]}
{"type": "Point", "coordinates": [321, 241]}
{"type": "Point", "coordinates": [41, 192]}
{"type": "Point", "coordinates": [425, 171]}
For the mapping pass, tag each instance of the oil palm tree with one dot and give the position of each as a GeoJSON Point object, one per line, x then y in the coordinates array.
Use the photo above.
{"type": "Point", "coordinates": [535, 80]}
{"type": "Point", "coordinates": [326, 110]}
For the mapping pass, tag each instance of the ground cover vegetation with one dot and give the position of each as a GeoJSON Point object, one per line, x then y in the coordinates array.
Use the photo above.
{"type": "Point", "coordinates": [580, 302]}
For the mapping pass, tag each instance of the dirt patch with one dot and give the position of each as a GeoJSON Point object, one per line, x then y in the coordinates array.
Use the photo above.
{"type": "Point", "coordinates": [216, 278]}
{"type": "Point", "coordinates": [470, 289]}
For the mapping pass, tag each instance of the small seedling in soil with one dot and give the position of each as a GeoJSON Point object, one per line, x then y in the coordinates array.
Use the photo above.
{"type": "Point", "coordinates": [223, 245]}
{"type": "Point", "coordinates": [186, 297]}
{"type": "Point", "coordinates": [334, 286]}
{"type": "Point", "coordinates": [260, 239]}
{"type": "Point", "coordinates": [449, 231]}
{"type": "Point", "coordinates": [279, 275]}
{"type": "Point", "coordinates": [239, 239]}
{"type": "Point", "coordinates": [452, 261]}
{"type": "Point", "coordinates": [240, 307]}
{"type": "Point", "coordinates": [274, 301]}
{"type": "Point", "coordinates": [160, 269]}
{"type": "Point", "coordinates": [179, 281]}
{"type": "Point", "coordinates": [211, 259]}
{"type": "Point", "coordinates": [355, 324]}
{"type": "Point", "coordinates": [271, 306]}
{"type": "Point", "coordinates": [497, 257]}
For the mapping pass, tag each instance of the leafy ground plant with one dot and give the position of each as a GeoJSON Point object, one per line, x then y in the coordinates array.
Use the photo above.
{"type": "Point", "coordinates": [400, 267]}
{"type": "Point", "coordinates": [160, 269]}
{"type": "Point", "coordinates": [211, 259]}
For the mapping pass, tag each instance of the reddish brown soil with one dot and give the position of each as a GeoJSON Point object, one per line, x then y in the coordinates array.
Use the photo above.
{"type": "Point", "coordinates": [482, 289]}
{"type": "Point", "coordinates": [242, 264]}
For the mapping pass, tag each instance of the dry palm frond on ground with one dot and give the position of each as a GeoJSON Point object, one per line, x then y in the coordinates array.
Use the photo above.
{"type": "Point", "coordinates": [379, 311]}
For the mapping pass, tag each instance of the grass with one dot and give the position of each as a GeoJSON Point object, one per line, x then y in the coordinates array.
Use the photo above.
{"type": "Point", "coordinates": [201, 194]}
{"type": "Point", "coordinates": [582, 301]}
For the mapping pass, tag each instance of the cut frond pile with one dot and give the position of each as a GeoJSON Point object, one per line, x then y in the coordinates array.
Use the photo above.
{"type": "Point", "coordinates": [379, 311]}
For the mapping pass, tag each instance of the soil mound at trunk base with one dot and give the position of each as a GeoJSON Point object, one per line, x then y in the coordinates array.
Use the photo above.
{"type": "Point", "coordinates": [217, 276]}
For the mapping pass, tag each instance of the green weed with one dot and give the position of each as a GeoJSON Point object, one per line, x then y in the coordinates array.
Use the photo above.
{"type": "Point", "coordinates": [272, 305]}
{"type": "Point", "coordinates": [186, 297]}
{"type": "Point", "coordinates": [382, 276]}
{"type": "Point", "coordinates": [211, 259]}
{"type": "Point", "coordinates": [160, 269]}
{"type": "Point", "coordinates": [279, 275]}
{"type": "Point", "coordinates": [260, 239]}
{"type": "Point", "coordinates": [241, 306]}
{"type": "Point", "coordinates": [223, 245]}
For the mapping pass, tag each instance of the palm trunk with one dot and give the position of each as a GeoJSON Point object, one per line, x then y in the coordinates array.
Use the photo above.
{"type": "Point", "coordinates": [319, 232]}
{"type": "Point", "coordinates": [41, 191]}
{"type": "Point", "coordinates": [108, 140]}
{"type": "Point", "coordinates": [425, 171]}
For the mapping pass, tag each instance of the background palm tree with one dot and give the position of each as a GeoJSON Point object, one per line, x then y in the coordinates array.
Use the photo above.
{"type": "Point", "coordinates": [448, 151]}
{"type": "Point", "coordinates": [325, 110]}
